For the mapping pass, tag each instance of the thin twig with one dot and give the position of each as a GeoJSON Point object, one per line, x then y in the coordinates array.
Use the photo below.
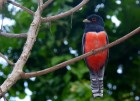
{"type": "Point", "coordinates": [12, 35]}
{"type": "Point", "coordinates": [46, 4]}
{"type": "Point", "coordinates": [61, 15]}
{"type": "Point", "coordinates": [8, 61]}
{"type": "Point", "coordinates": [22, 7]}
{"type": "Point", "coordinates": [93, 52]}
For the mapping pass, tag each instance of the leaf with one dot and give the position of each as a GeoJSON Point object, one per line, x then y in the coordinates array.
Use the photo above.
{"type": "Point", "coordinates": [21, 95]}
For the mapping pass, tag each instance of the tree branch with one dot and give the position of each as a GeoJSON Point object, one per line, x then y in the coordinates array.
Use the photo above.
{"type": "Point", "coordinates": [93, 52]}
{"type": "Point", "coordinates": [40, 2]}
{"type": "Point", "coordinates": [8, 61]}
{"type": "Point", "coordinates": [2, 2]}
{"type": "Point", "coordinates": [12, 35]}
{"type": "Point", "coordinates": [61, 15]}
{"type": "Point", "coordinates": [18, 67]}
{"type": "Point", "coordinates": [46, 4]}
{"type": "Point", "coordinates": [22, 7]}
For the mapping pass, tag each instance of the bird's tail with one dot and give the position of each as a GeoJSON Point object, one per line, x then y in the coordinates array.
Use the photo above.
{"type": "Point", "coordinates": [96, 85]}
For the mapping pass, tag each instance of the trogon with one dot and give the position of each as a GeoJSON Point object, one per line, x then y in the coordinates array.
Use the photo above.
{"type": "Point", "coordinates": [95, 37]}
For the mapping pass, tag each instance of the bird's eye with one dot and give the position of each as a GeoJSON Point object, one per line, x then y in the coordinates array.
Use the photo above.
{"type": "Point", "coordinates": [93, 19]}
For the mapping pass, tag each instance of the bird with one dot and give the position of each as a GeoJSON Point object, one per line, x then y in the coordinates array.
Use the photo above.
{"type": "Point", "coordinates": [95, 37]}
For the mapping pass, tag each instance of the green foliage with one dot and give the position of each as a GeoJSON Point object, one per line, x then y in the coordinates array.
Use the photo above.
{"type": "Point", "coordinates": [58, 42]}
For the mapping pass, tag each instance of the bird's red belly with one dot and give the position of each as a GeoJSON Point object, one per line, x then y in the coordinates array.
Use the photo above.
{"type": "Point", "coordinates": [93, 41]}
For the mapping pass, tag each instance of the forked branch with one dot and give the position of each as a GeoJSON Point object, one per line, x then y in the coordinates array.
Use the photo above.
{"type": "Point", "coordinates": [31, 38]}
{"type": "Point", "coordinates": [18, 67]}
{"type": "Point", "coordinates": [93, 52]}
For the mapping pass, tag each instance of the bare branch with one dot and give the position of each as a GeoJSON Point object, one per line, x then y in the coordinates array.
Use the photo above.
{"type": "Point", "coordinates": [61, 15]}
{"type": "Point", "coordinates": [46, 4]}
{"type": "Point", "coordinates": [18, 67]}
{"type": "Point", "coordinates": [8, 61]}
{"type": "Point", "coordinates": [12, 35]}
{"type": "Point", "coordinates": [93, 52]}
{"type": "Point", "coordinates": [22, 7]}
{"type": "Point", "coordinates": [40, 2]}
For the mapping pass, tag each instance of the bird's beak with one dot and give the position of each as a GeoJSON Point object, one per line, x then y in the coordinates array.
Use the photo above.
{"type": "Point", "coordinates": [86, 20]}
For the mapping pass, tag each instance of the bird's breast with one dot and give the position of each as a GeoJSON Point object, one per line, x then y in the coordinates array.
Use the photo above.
{"type": "Point", "coordinates": [93, 41]}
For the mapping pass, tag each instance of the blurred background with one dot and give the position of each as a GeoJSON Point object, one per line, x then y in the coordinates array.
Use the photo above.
{"type": "Point", "coordinates": [60, 40]}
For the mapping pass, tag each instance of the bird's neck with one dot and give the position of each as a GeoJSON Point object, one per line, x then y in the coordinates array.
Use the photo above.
{"type": "Point", "coordinates": [90, 27]}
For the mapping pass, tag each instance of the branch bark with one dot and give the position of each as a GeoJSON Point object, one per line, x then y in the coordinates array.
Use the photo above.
{"type": "Point", "coordinates": [17, 70]}
{"type": "Point", "coordinates": [46, 4]}
{"type": "Point", "coordinates": [61, 15]}
{"type": "Point", "coordinates": [12, 35]}
{"type": "Point", "coordinates": [8, 61]}
{"type": "Point", "coordinates": [93, 52]}
{"type": "Point", "coordinates": [2, 2]}
{"type": "Point", "coordinates": [31, 38]}
{"type": "Point", "coordinates": [40, 2]}
{"type": "Point", "coordinates": [22, 7]}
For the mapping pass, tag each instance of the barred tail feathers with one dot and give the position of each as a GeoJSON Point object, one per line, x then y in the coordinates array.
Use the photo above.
{"type": "Point", "coordinates": [96, 85]}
